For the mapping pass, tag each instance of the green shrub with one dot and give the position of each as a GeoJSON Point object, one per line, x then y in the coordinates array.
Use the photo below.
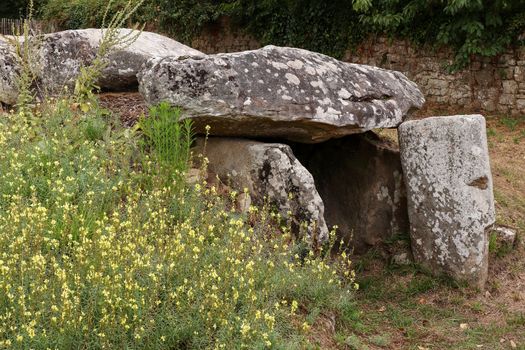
{"type": "Point", "coordinates": [100, 250]}
{"type": "Point", "coordinates": [168, 137]}
{"type": "Point", "coordinates": [469, 27]}
{"type": "Point", "coordinates": [84, 13]}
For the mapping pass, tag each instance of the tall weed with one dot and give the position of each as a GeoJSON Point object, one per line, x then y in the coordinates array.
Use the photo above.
{"type": "Point", "coordinates": [168, 137]}
{"type": "Point", "coordinates": [94, 251]}
{"type": "Point", "coordinates": [26, 44]}
{"type": "Point", "coordinates": [112, 40]}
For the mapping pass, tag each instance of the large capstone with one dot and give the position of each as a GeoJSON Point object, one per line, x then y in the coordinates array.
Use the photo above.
{"type": "Point", "coordinates": [450, 200]}
{"type": "Point", "coordinates": [9, 71]}
{"type": "Point", "coordinates": [360, 180]}
{"type": "Point", "coordinates": [280, 92]}
{"type": "Point", "coordinates": [271, 173]}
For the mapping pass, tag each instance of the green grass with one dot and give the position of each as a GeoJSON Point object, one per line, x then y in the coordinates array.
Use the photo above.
{"type": "Point", "coordinates": [395, 301]}
{"type": "Point", "coordinates": [168, 138]}
{"type": "Point", "coordinates": [491, 132]}
{"type": "Point", "coordinates": [352, 341]}
{"type": "Point", "coordinates": [511, 122]}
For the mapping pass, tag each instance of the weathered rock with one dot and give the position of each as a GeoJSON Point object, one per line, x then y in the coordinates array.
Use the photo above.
{"type": "Point", "coordinates": [243, 202]}
{"type": "Point", "coordinates": [505, 236]}
{"type": "Point", "coordinates": [63, 53]}
{"type": "Point", "coordinates": [269, 170]}
{"type": "Point", "coordinates": [194, 176]}
{"type": "Point", "coordinates": [450, 200]}
{"type": "Point", "coordinates": [9, 71]}
{"type": "Point", "coordinates": [360, 181]}
{"type": "Point", "coordinates": [280, 92]}
{"type": "Point", "coordinates": [403, 258]}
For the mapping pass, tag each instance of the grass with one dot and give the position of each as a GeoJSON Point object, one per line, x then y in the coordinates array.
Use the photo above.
{"type": "Point", "coordinates": [511, 122]}
{"type": "Point", "coordinates": [101, 248]}
{"type": "Point", "coordinates": [419, 311]}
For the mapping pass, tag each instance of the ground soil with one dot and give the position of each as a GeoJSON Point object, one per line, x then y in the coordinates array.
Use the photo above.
{"type": "Point", "coordinates": [403, 307]}
{"type": "Point", "coordinates": [442, 315]}
{"type": "Point", "coordinates": [128, 105]}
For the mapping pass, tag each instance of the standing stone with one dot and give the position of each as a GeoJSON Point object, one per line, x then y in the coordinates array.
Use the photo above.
{"type": "Point", "coordinates": [271, 173]}
{"type": "Point", "coordinates": [450, 200]}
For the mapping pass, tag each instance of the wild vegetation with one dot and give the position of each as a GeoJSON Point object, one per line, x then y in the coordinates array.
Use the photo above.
{"type": "Point", "coordinates": [469, 27]}
{"type": "Point", "coordinates": [100, 249]}
{"type": "Point", "coordinates": [104, 244]}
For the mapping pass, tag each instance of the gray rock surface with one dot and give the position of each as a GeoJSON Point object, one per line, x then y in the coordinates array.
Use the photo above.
{"type": "Point", "coordinates": [62, 54]}
{"type": "Point", "coordinates": [505, 235]}
{"type": "Point", "coordinates": [450, 199]}
{"type": "Point", "coordinates": [269, 170]}
{"type": "Point", "coordinates": [9, 70]}
{"type": "Point", "coordinates": [280, 92]}
{"type": "Point", "coordinates": [360, 180]}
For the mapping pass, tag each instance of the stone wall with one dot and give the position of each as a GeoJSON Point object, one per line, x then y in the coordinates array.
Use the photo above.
{"type": "Point", "coordinates": [491, 85]}
{"type": "Point", "coordinates": [221, 38]}
{"type": "Point", "coordinates": [488, 85]}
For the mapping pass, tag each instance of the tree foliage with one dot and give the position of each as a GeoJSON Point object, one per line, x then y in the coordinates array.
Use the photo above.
{"type": "Point", "coordinates": [469, 27]}
{"type": "Point", "coordinates": [16, 8]}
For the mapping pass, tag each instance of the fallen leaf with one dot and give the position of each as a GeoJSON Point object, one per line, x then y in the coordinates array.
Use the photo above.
{"type": "Point", "coordinates": [513, 344]}
{"type": "Point", "coordinates": [382, 309]}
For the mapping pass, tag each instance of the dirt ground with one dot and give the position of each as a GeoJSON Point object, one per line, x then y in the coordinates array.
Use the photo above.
{"type": "Point", "coordinates": [402, 307]}
{"type": "Point", "coordinates": [412, 310]}
{"type": "Point", "coordinates": [129, 105]}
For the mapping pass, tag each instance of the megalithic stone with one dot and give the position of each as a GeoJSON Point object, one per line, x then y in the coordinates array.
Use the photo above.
{"type": "Point", "coordinates": [62, 55]}
{"type": "Point", "coordinates": [271, 173]}
{"type": "Point", "coordinates": [280, 92]}
{"type": "Point", "coordinates": [446, 168]}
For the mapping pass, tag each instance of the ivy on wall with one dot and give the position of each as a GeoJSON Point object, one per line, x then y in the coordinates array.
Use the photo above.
{"type": "Point", "coordinates": [469, 27]}
{"type": "Point", "coordinates": [329, 27]}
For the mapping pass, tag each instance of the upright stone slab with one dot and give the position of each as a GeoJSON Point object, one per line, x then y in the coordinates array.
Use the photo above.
{"type": "Point", "coordinates": [270, 172]}
{"type": "Point", "coordinates": [450, 201]}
